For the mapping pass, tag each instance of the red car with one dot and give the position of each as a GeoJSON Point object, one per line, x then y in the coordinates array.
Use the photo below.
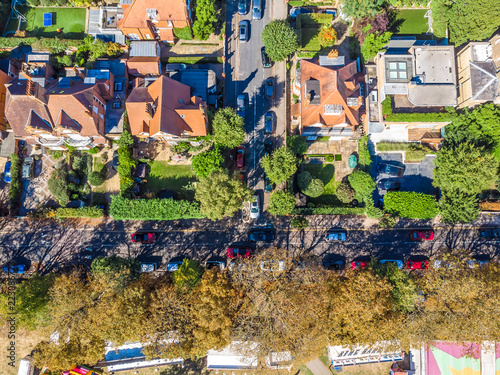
{"type": "Point", "coordinates": [239, 252]}
{"type": "Point", "coordinates": [359, 264]}
{"type": "Point", "coordinates": [144, 237]}
{"type": "Point", "coordinates": [240, 157]}
{"type": "Point", "coordinates": [417, 264]}
{"type": "Point", "coordinates": [422, 235]}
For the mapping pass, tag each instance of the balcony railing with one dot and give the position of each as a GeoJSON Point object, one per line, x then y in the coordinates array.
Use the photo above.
{"type": "Point", "coordinates": [78, 142]}
{"type": "Point", "coordinates": [58, 142]}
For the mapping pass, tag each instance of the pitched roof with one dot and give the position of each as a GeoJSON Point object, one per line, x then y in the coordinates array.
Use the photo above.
{"type": "Point", "coordinates": [324, 97]}
{"type": "Point", "coordinates": [144, 65]}
{"type": "Point", "coordinates": [166, 106]}
{"type": "Point", "coordinates": [136, 14]}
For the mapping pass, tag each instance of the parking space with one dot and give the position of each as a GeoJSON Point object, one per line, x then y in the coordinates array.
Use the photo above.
{"type": "Point", "coordinates": [417, 176]}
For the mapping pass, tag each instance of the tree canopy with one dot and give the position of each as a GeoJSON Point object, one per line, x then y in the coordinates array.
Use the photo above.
{"type": "Point", "coordinates": [281, 203]}
{"type": "Point", "coordinates": [411, 204]}
{"type": "Point", "coordinates": [373, 43]}
{"type": "Point", "coordinates": [362, 183]}
{"type": "Point", "coordinates": [206, 162]}
{"type": "Point", "coordinates": [279, 39]}
{"type": "Point", "coordinates": [188, 275]}
{"type": "Point", "coordinates": [221, 195]}
{"type": "Point", "coordinates": [280, 165]}
{"type": "Point", "coordinates": [206, 18]}
{"type": "Point", "coordinates": [228, 128]}
{"type": "Point", "coordinates": [359, 9]}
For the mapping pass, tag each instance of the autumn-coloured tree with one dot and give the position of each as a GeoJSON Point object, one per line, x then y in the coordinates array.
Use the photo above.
{"type": "Point", "coordinates": [327, 37]}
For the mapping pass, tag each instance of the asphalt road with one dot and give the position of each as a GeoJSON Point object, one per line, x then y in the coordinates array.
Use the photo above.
{"type": "Point", "coordinates": [59, 245]}
{"type": "Point", "coordinates": [246, 75]}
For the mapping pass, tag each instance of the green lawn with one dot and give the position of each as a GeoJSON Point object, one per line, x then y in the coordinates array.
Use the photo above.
{"type": "Point", "coordinates": [164, 176]}
{"type": "Point", "coordinates": [411, 22]}
{"type": "Point", "coordinates": [308, 26]}
{"type": "Point", "coordinates": [326, 173]}
{"type": "Point", "coordinates": [71, 21]}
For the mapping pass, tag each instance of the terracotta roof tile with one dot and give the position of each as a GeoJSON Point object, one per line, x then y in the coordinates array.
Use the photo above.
{"type": "Point", "coordinates": [168, 10]}
{"type": "Point", "coordinates": [143, 65]}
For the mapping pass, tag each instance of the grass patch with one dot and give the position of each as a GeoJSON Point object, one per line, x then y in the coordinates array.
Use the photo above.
{"type": "Point", "coordinates": [306, 54]}
{"type": "Point", "coordinates": [98, 164]}
{"type": "Point", "coordinates": [194, 60]}
{"type": "Point", "coordinates": [305, 370]}
{"type": "Point", "coordinates": [326, 173]}
{"type": "Point", "coordinates": [393, 146]}
{"type": "Point", "coordinates": [183, 33]}
{"type": "Point", "coordinates": [296, 3]}
{"type": "Point", "coordinates": [308, 26]}
{"type": "Point", "coordinates": [411, 21]}
{"type": "Point", "coordinates": [164, 176]}
{"type": "Point", "coordinates": [71, 21]}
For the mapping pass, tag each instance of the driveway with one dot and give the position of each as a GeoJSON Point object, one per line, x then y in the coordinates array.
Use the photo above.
{"type": "Point", "coordinates": [417, 176]}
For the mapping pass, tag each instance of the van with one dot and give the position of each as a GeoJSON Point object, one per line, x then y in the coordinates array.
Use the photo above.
{"type": "Point", "coordinates": [27, 168]}
{"type": "Point", "coordinates": [256, 9]}
{"type": "Point", "coordinates": [25, 367]}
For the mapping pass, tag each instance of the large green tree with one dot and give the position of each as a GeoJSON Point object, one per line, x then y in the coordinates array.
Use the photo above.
{"type": "Point", "coordinates": [281, 203]}
{"type": "Point", "coordinates": [221, 195]}
{"type": "Point", "coordinates": [206, 162]}
{"type": "Point", "coordinates": [359, 9]}
{"type": "Point", "coordinates": [228, 128]}
{"type": "Point", "coordinates": [206, 17]}
{"type": "Point", "coordinates": [411, 204]}
{"type": "Point", "coordinates": [362, 183]}
{"type": "Point", "coordinates": [465, 20]}
{"type": "Point", "coordinates": [279, 39]}
{"type": "Point", "coordinates": [280, 165]}
{"type": "Point", "coordinates": [188, 275]}
{"type": "Point", "coordinates": [373, 43]}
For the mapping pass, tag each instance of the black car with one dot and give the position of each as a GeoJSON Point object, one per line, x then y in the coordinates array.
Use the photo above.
{"type": "Point", "coordinates": [268, 147]}
{"type": "Point", "coordinates": [389, 185]}
{"type": "Point", "coordinates": [333, 264]}
{"type": "Point", "coordinates": [241, 104]}
{"type": "Point", "coordinates": [269, 122]}
{"type": "Point", "coordinates": [115, 162]}
{"type": "Point", "coordinates": [489, 233]}
{"type": "Point", "coordinates": [391, 169]}
{"type": "Point", "coordinates": [262, 235]}
{"type": "Point", "coordinates": [242, 7]}
{"type": "Point", "coordinates": [266, 61]}
{"type": "Point", "coordinates": [269, 89]}
{"type": "Point", "coordinates": [268, 185]}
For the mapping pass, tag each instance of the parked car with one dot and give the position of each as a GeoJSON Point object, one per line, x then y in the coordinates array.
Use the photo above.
{"type": "Point", "coordinates": [269, 88]}
{"type": "Point", "coordinates": [144, 237]}
{"type": "Point", "coordinates": [266, 61]}
{"type": "Point", "coordinates": [27, 168]}
{"type": "Point", "coordinates": [294, 11]}
{"type": "Point", "coordinates": [273, 265]}
{"type": "Point", "coordinates": [269, 122]}
{"type": "Point", "coordinates": [240, 157]}
{"type": "Point", "coordinates": [489, 233]}
{"type": "Point", "coordinates": [422, 235]}
{"type": "Point", "coordinates": [241, 105]}
{"type": "Point", "coordinates": [238, 252]}
{"type": "Point", "coordinates": [242, 7]}
{"type": "Point", "coordinates": [235, 265]}
{"type": "Point", "coordinates": [399, 263]}
{"type": "Point", "coordinates": [256, 9]}
{"type": "Point", "coordinates": [268, 147]}
{"type": "Point", "coordinates": [479, 261]}
{"type": "Point", "coordinates": [244, 27]}
{"type": "Point", "coordinates": [255, 207]}
{"type": "Point", "coordinates": [174, 263]}
{"type": "Point", "coordinates": [391, 169]}
{"type": "Point", "coordinates": [261, 235]}
{"type": "Point", "coordinates": [215, 262]}
{"type": "Point", "coordinates": [115, 162]}
{"type": "Point", "coordinates": [268, 185]}
{"type": "Point", "coordinates": [336, 235]}
{"type": "Point", "coordinates": [18, 268]}
{"type": "Point", "coordinates": [417, 263]}
{"type": "Point", "coordinates": [6, 172]}
{"type": "Point", "coordinates": [389, 184]}
{"type": "Point", "coordinates": [333, 264]}
{"type": "Point", "coordinates": [360, 263]}
{"type": "Point", "coordinates": [327, 11]}
{"type": "Point", "coordinates": [148, 267]}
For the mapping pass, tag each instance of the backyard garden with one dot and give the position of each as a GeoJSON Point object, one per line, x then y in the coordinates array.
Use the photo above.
{"type": "Point", "coordinates": [308, 28]}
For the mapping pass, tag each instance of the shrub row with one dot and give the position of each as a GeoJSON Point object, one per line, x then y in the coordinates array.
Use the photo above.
{"type": "Point", "coordinates": [411, 205]}
{"type": "Point", "coordinates": [393, 146]}
{"type": "Point", "coordinates": [15, 187]}
{"type": "Point", "coordinates": [91, 212]}
{"type": "Point", "coordinates": [450, 115]}
{"type": "Point", "coordinates": [40, 43]}
{"type": "Point", "coordinates": [153, 209]}
{"type": "Point", "coordinates": [328, 210]}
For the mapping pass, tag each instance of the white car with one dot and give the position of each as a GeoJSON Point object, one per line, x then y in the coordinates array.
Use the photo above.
{"type": "Point", "coordinates": [255, 207]}
{"type": "Point", "coordinates": [272, 265]}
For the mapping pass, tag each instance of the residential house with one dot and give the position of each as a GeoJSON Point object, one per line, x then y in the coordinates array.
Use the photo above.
{"type": "Point", "coordinates": [419, 76]}
{"type": "Point", "coordinates": [150, 19]}
{"type": "Point", "coordinates": [478, 68]}
{"type": "Point", "coordinates": [203, 82]}
{"type": "Point", "coordinates": [4, 79]}
{"type": "Point", "coordinates": [103, 23]}
{"type": "Point", "coordinates": [56, 113]}
{"type": "Point", "coordinates": [330, 100]}
{"type": "Point", "coordinates": [164, 109]}
{"type": "Point", "coordinates": [144, 66]}
{"type": "Point", "coordinates": [144, 48]}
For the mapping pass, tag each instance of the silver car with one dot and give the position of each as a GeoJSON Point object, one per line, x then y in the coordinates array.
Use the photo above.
{"type": "Point", "coordinates": [256, 9]}
{"type": "Point", "coordinates": [244, 27]}
{"type": "Point", "coordinates": [255, 207]}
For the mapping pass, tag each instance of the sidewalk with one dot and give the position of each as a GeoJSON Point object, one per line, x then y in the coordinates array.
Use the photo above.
{"type": "Point", "coordinates": [318, 368]}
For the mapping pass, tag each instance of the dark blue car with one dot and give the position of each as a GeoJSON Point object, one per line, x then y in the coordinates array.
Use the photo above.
{"type": "Point", "coordinates": [18, 268]}
{"type": "Point", "coordinates": [6, 173]}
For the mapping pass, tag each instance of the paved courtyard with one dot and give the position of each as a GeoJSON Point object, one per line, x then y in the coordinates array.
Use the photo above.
{"type": "Point", "coordinates": [345, 147]}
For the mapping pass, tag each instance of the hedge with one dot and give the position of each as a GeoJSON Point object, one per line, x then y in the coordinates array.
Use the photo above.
{"type": "Point", "coordinates": [415, 117]}
{"type": "Point", "coordinates": [15, 187]}
{"type": "Point", "coordinates": [393, 146]}
{"type": "Point", "coordinates": [91, 212]}
{"type": "Point", "coordinates": [327, 210]}
{"type": "Point", "coordinates": [153, 209]}
{"type": "Point", "coordinates": [411, 205]}
{"type": "Point", "coordinates": [40, 43]}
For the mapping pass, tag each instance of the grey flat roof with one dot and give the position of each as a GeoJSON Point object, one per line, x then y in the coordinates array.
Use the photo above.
{"type": "Point", "coordinates": [436, 64]}
{"type": "Point", "coordinates": [200, 80]}
{"type": "Point", "coordinates": [326, 61]}
{"type": "Point", "coordinates": [143, 48]}
{"type": "Point", "coordinates": [432, 95]}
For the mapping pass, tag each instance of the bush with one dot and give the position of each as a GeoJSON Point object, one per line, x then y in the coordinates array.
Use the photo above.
{"type": "Point", "coordinates": [364, 157]}
{"type": "Point", "coordinates": [315, 188]}
{"type": "Point", "coordinates": [388, 221]}
{"type": "Point", "coordinates": [91, 212]}
{"type": "Point", "coordinates": [206, 162]}
{"type": "Point", "coordinates": [281, 203]}
{"type": "Point", "coordinates": [299, 222]}
{"type": "Point", "coordinates": [94, 150]}
{"type": "Point", "coordinates": [411, 205]}
{"type": "Point", "coordinates": [304, 179]}
{"type": "Point", "coordinates": [297, 144]}
{"type": "Point", "coordinates": [329, 210]}
{"type": "Point", "coordinates": [329, 158]}
{"type": "Point", "coordinates": [15, 187]}
{"type": "Point", "coordinates": [345, 193]}
{"type": "Point", "coordinates": [58, 185]}
{"type": "Point", "coordinates": [371, 210]}
{"type": "Point", "coordinates": [96, 178]}
{"type": "Point", "coordinates": [153, 209]}
{"type": "Point", "coordinates": [362, 183]}
{"type": "Point", "coordinates": [56, 154]}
